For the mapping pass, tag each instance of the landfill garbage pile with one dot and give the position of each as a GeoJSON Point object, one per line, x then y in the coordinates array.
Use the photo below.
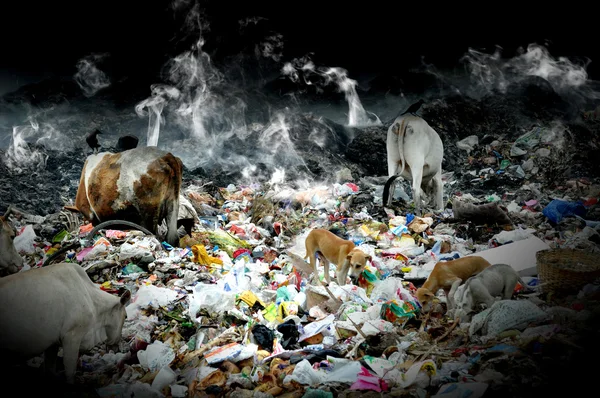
{"type": "Point", "coordinates": [236, 310]}
{"type": "Point", "coordinates": [500, 122]}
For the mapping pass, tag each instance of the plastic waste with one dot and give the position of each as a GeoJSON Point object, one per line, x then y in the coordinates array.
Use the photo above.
{"type": "Point", "coordinates": [25, 241]}
{"type": "Point", "coordinates": [156, 356]}
{"type": "Point", "coordinates": [557, 209]}
{"type": "Point", "coordinates": [264, 337]}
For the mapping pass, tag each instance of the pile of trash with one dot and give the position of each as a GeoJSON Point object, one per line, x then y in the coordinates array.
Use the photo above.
{"type": "Point", "coordinates": [237, 311]}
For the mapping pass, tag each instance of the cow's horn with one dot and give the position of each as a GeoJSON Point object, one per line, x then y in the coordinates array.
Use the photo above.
{"type": "Point", "coordinates": [8, 211]}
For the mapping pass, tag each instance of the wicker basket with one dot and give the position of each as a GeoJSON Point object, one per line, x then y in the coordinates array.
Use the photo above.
{"type": "Point", "coordinates": [566, 270]}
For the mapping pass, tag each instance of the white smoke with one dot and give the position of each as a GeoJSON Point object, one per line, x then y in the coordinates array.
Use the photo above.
{"type": "Point", "coordinates": [89, 78]}
{"type": "Point", "coordinates": [161, 94]}
{"type": "Point", "coordinates": [272, 47]}
{"type": "Point", "coordinates": [277, 143]}
{"type": "Point", "coordinates": [250, 20]}
{"type": "Point", "coordinates": [20, 156]}
{"type": "Point", "coordinates": [199, 102]}
{"type": "Point", "coordinates": [304, 68]}
{"type": "Point", "coordinates": [490, 72]}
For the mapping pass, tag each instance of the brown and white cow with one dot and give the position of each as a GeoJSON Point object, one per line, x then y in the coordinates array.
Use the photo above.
{"type": "Point", "coordinates": [10, 260]}
{"type": "Point", "coordinates": [140, 185]}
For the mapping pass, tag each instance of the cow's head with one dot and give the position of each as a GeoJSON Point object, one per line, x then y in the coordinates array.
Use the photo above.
{"type": "Point", "coordinates": [10, 260]}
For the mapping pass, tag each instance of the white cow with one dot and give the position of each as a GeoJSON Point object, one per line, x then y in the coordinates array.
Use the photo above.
{"type": "Point", "coordinates": [415, 152]}
{"type": "Point", "coordinates": [56, 305]}
{"type": "Point", "coordinates": [10, 260]}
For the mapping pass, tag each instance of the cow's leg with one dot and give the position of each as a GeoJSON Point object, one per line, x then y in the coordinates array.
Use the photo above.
{"type": "Point", "coordinates": [50, 356]}
{"type": "Point", "coordinates": [172, 215]}
{"type": "Point", "coordinates": [391, 194]}
{"type": "Point", "coordinates": [417, 175]}
{"type": "Point", "coordinates": [70, 346]}
{"type": "Point", "coordinates": [438, 190]}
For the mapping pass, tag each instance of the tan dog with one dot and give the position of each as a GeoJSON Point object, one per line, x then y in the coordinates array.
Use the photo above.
{"type": "Point", "coordinates": [448, 275]}
{"type": "Point", "coordinates": [331, 248]}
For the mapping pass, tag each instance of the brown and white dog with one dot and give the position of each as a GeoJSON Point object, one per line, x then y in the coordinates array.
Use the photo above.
{"type": "Point", "coordinates": [448, 275]}
{"type": "Point", "coordinates": [349, 260]}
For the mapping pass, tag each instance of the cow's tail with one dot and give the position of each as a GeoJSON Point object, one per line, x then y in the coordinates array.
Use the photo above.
{"type": "Point", "coordinates": [395, 146]}
{"type": "Point", "coordinates": [395, 149]}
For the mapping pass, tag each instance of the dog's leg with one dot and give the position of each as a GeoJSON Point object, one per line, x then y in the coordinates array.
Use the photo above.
{"type": "Point", "coordinates": [450, 297]}
{"type": "Point", "coordinates": [313, 264]}
{"type": "Point", "coordinates": [342, 272]}
{"type": "Point", "coordinates": [326, 269]}
{"type": "Point", "coordinates": [509, 289]}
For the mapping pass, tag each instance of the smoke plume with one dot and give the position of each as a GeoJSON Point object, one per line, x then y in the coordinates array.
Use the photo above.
{"type": "Point", "coordinates": [89, 78]}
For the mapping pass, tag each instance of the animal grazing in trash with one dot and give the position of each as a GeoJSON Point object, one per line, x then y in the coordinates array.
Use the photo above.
{"type": "Point", "coordinates": [448, 275]}
{"type": "Point", "coordinates": [53, 306]}
{"type": "Point", "coordinates": [496, 280]}
{"type": "Point", "coordinates": [413, 108]}
{"type": "Point", "coordinates": [92, 140]}
{"type": "Point", "coordinates": [350, 261]}
{"type": "Point", "coordinates": [127, 142]}
{"type": "Point", "coordinates": [415, 152]}
{"type": "Point", "coordinates": [140, 185]}
{"type": "Point", "coordinates": [10, 259]}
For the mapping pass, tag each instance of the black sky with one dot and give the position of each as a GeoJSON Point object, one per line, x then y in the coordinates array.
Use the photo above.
{"type": "Point", "coordinates": [40, 37]}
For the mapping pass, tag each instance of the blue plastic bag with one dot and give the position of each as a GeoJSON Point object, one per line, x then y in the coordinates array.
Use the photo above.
{"type": "Point", "coordinates": [557, 209]}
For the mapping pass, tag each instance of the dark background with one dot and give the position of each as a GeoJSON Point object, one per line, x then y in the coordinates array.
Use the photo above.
{"type": "Point", "coordinates": [40, 38]}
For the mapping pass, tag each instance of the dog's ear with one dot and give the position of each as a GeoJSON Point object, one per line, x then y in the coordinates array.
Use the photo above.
{"type": "Point", "coordinates": [429, 294]}
{"type": "Point", "coordinates": [368, 257]}
{"type": "Point", "coordinates": [349, 257]}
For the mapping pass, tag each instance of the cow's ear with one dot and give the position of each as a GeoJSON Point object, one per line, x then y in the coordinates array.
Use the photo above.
{"type": "Point", "coordinates": [125, 297]}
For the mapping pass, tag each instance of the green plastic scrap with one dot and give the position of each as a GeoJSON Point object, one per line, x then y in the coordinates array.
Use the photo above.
{"type": "Point", "coordinates": [531, 138]}
{"type": "Point", "coordinates": [131, 269]}
{"type": "Point", "coordinates": [314, 393]}
{"type": "Point", "coordinates": [504, 164]}
{"type": "Point", "coordinates": [59, 237]}
{"type": "Point", "coordinates": [226, 241]}
{"type": "Point", "coordinates": [283, 293]}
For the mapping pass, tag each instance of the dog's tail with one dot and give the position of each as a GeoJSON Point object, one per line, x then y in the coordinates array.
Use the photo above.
{"type": "Point", "coordinates": [526, 287]}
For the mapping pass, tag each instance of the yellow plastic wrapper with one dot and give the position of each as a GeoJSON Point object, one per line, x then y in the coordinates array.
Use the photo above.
{"type": "Point", "coordinates": [202, 257]}
{"type": "Point", "coordinates": [406, 240]}
{"type": "Point", "coordinates": [366, 231]}
{"type": "Point", "coordinates": [270, 313]}
{"type": "Point", "coordinates": [250, 298]}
